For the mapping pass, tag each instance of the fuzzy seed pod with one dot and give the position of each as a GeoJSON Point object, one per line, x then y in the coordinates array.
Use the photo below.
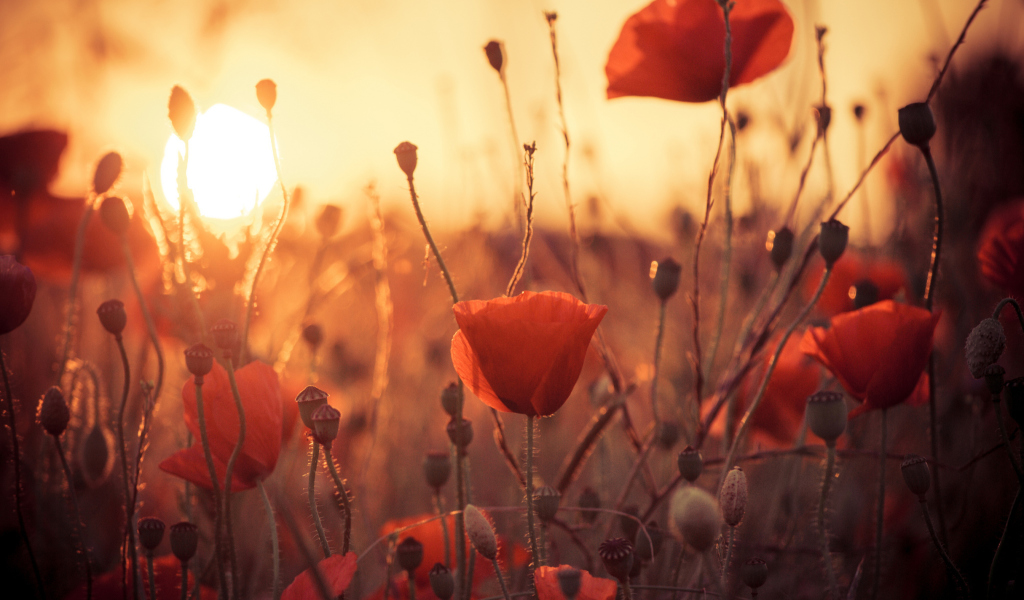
{"type": "Point", "coordinates": [646, 549]}
{"type": "Point", "coordinates": [916, 474]}
{"type": "Point", "coordinates": [266, 94]}
{"type": "Point", "coordinates": [832, 241]}
{"type": "Point", "coordinates": [114, 214]}
{"type": "Point", "coordinates": [1014, 393]}
{"type": "Point", "coordinates": [17, 293]}
{"type": "Point", "coordinates": [199, 360]}
{"type": "Point", "coordinates": [182, 112]}
{"type": "Point", "coordinates": [917, 124]}
{"type": "Point", "coordinates": [53, 412]}
{"type": "Point", "coordinates": [442, 582]}
{"type": "Point", "coordinates": [112, 317]}
{"type": "Point", "coordinates": [328, 220]}
{"type": "Point", "coordinates": [406, 155]}
{"type": "Point", "coordinates": [460, 436]}
{"type": "Point", "coordinates": [495, 51]}
{"type": "Point", "coordinates": [569, 582]}
{"type": "Point", "coordinates": [184, 540]}
{"type": "Point", "coordinates": [225, 334]}
{"type": "Point", "coordinates": [667, 434]}
{"type": "Point", "coordinates": [450, 398]}
{"type": "Point", "coordinates": [437, 467]}
{"type": "Point", "coordinates": [309, 400]}
{"type": "Point", "coordinates": [780, 246]}
{"type": "Point", "coordinates": [589, 499]}
{"type": "Point", "coordinates": [754, 573]}
{"type": "Point", "coordinates": [666, 278]}
{"type": "Point", "coordinates": [409, 554]}
{"type": "Point", "coordinates": [984, 346]}
{"type": "Point", "coordinates": [545, 502]}
{"type": "Point", "coordinates": [326, 421]}
{"type": "Point", "coordinates": [695, 517]}
{"type": "Point", "coordinates": [690, 463]}
{"type": "Point", "coordinates": [107, 172]}
{"type": "Point", "coordinates": [617, 556]}
{"type": "Point", "coordinates": [994, 375]}
{"type": "Point", "coordinates": [313, 335]}
{"type": "Point", "coordinates": [826, 416]}
{"type": "Point", "coordinates": [151, 533]}
{"type": "Point", "coordinates": [480, 532]}
{"type": "Point", "coordinates": [733, 497]}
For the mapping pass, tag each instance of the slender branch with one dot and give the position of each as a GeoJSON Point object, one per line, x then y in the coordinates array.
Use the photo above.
{"type": "Point", "coordinates": [534, 552]}
{"type": "Point", "coordinates": [506, 453]}
{"type": "Point", "coordinates": [517, 274]}
{"type": "Point", "coordinates": [339, 484]}
{"type": "Point", "coordinates": [314, 461]}
{"type": "Point", "coordinates": [961, 583]}
{"type": "Point", "coordinates": [430, 241]}
{"type": "Point", "coordinates": [204, 438]}
{"type": "Point", "coordinates": [501, 578]}
{"type": "Point", "coordinates": [273, 538]}
{"type": "Point", "coordinates": [953, 49]}
{"type": "Point", "coordinates": [76, 270]}
{"type": "Point", "coordinates": [439, 507]}
{"type": "Point", "coordinates": [77, 516]}
{"type": "Point", "coordinates": [229, 473]}
{"type": "Point", "coordinates": [723, 288]}
{"type": "Point", "coordinates": [1017, 500]}
{"type": "Point", "coordinates": [146, 316]}
{"type": "Point", "coordinates": [658, 341]}
{"type": "Point", "coordinates": [826, 554]}
{"type": "Point", "coordinates": [122, 447]}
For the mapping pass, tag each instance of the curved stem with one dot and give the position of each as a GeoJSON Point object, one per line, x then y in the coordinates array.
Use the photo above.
{"type": "Point", "coordinates": [77, 516]}
{"type": "Point", "coordinates": [314, 461]}
{"type": "Point", "coordinates": [148, 318]}
{"type": "Point", "coordinates": [430, 240]}
{"type": "Point", "coordinates": [339, 483]}
{"type": "Point", "coordinates": [535, 553]}
{"type": "Point", "coordinates": [1017, 500]}
{"type": "Point", "coordinates": [880, 510]}
{"type": "Point", "coordinates": [1006, 442]}
{"type": "Point", "coordinates": [723, 287]}
{"type": "Point", "coordinates": [826, 554]}
{"type": "Point", "coordinates": [122, 446]}
{"type": "Point", "coordinates": [439, 506]}
{"type": "Point", "coordinates": [204, 438]}
{"type": "Point", "coordinates": [501, 578]}
{"type": "Point", "coordinates": [273, 538]}
{"type": "Point", "coordinates": [516, 145]}
{"type": "Point", "coordinates": [658, 340]}
{"type": "Point", "coordinates": [229, 473]}
{"type": "Point", "coordinates": [72, 308]}
{"type": "Point", "coordinates": [961, 583]}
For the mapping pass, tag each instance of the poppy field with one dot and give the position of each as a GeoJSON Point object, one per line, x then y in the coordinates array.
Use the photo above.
{"type": "Point", "coordinates": [790, 384]}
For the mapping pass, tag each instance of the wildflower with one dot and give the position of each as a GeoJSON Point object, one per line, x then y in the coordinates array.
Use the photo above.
{"type": "Point", "coordinates": [857, 281]}
{"type": "Point", "coordinates": [431, 535]}
{"type": "Point", "coordinates": [524, 354]}
{"type": "Point", "coordinates": [591, 588]}
{"type": "Point", "coordinates": [337, 571]}
{"type": "Point", "coordinates": [1001, 248]}
{"type": "Point", "coordinates": [878, 352]}
{"type": "Point", "coordinates": [17, 293]}
{"type": "Point", "coordinates": [676, 50]}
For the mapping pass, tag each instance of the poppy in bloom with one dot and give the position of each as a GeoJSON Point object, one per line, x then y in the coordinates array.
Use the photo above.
{"type": "Point", "coordinates": [524, 354]}
{"type": "Point", "coordinates": [676, 50]}
{"type": "Point", "coordinates": [431, 535]}
{"type": "Point", "coordinates": [856, 282]}
{"type": "Point", "coordinates": [17, 293]}
{"type": "Point", "coordinates": [166, 576]}
{"type": "Point", "coordinates": [261, 399]}
{"type": "Point", "coordinates": [337, 571]}
{"type": "Point", "coordinates": [1001, 248]}
{"type": "Point", "coordinates": [878, 352]}
{"type": "Point", "coordinates": [591, 588]}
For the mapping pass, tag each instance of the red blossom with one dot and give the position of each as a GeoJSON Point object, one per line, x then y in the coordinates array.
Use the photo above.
{"type": "Point", "coordinates": [337, 571]}
{"type": "Point", "coordinates": [591, 588]}
{"type": "Point", "coordinates": [166, 575]}
{"type": "Point", "coordinates": [1001, 248]}
{"type": "Point", "coordinates": [852, 270]}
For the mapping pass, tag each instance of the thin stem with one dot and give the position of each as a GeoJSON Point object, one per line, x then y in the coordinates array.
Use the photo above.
{"type": "Point", "coordinates": [72, 308]}
{"type": "Point", "coordinates": [273, 538]}
{"type": "Point", "coordinates": [229, 473]}
{"type": "Point", "coordinates": [961, 583]}
{"type": "Point", "coordinates": [728, 557]}
{"type": "Point", "coordinates": [658, 341]}
{"type": "Point", "coordinates": [148, 318]}
{"type": "Point", "coordinates": [339, 483]}
{"type": "Point", "coordinates": [529, 494]}
{"type": "Point", "coordinates": [627, 593]}
{"type": "Point", "coordinates": [214, 484]}
{"type": "Point", "coordinates": [501, 578]}
{"type": "Point", "coordinates": [439, 506]}
{"type": "Point", "coordinates": [430, 241]}
{"type": "Point", "coordinates": [1002, 540]}
{"type": "Point", "coordinates": [528, 231]}
{"type": "Point", "coordinates": [515, 147]}
{"type": "Point", "coordinates": [826, 554]}
{"type": "Point", "coordinates": [1006, 442]}
{"type": "Point", "coordinates": [122, 446]}
{"type": "Point", "coordinates": [77, 516]}
{"type": "Point", "coordinates": [880, 510]}
{"type": "Point", "coordinates": [723, 288]}
{"type": "Point", "coordinates": [184, 580]}
{"type": "Point", "coordinates": [412, 585]}
{"type": "Point", "coordinates": [314, 461]}
{"type": "Point", "coordinates": [460, 521]}
{"type": "Point", "coordinates": [152, 579]}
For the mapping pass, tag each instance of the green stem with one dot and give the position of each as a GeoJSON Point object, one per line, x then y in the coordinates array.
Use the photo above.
{"type": "Point", "coordinates": [314, 460]}
{"type": "Point", "coordinates": [501, 578]}
{"type": "Point", "coordinates": [273, 538]}
{"type": "Point", "coordinates": [129, 510]}
{"type": "Point", "coordinates": [148, 318]}
{"type": "Point", "coordinates": [439, 505]}
{"type": "Point", "coordinates": [516, 145]}
{"type": "Point", "coordinates": [658, 341]}
{"type": "Point", "coordinates": [77, 515]}
{"type": "Point", "coordinates": [961, 583]}
{"type": "Point", "coordinates": [880, 510]}
{"type": "Point", "coordinates": [826, 554]}
{"type": "Point", "coordinates": [152, 579]}
{"type": "Point", "coordinates": [728, 557]}
{"type": "Point", "coordinates": [339, 483]}
{"type": "Point", "coordinates": [535, 553]}
{"type": "Point", "coordinates": [72, 309]}
{"type": "Point", "coordinates": [205, 439]}
{"type": "Point", "coordinates": [430, 241]}
{"type": "Point", "coordinates": [229, 473]}
{"type": "Point", "coordinates": [723, 295]}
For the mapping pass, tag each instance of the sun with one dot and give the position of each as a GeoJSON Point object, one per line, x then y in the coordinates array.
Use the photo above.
{"type": "Point", "coordinates": [230, 163]}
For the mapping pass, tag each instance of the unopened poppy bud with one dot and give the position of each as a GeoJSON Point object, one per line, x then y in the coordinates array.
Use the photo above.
{"type": "Point", "coordinates": [184, 540]}
{"type": "Point", "coordinates": [151, 533]}
{"type": "Point", "coordinates": [406, 154]}
{"type": "Point", "coordinates": [916, 475]}
{"type": "Point", "coordinates": [824, 114]}
{"type": "Point", "coordinates": [199, 361]}
{"type": "Point", "coordinates": [589, 499]}
{"type": "Point", "coordinates": [667, 434]}
{"type": "Point", "coordinates": [313, 335]}
{"type": "Point", "coordinates": [917, 124]}
{"type": "Point", "coordinates": [994, 380]}
{"type": "Point", "coordinates": [858, 111]}
{"type": "Point", "coordinates": [182, 112]}
{"type": "Point", "coordinates": [112, 316]}
{"type": "Point", "coordinates": [442, 582]}
{"type": "Point", "coordinates": [695, 517]}
{"type": "Point", "coordinates": [95, 455]}
{"type": "Point", "coordinates": [780, 246]}
{"type": "Point", "coordinates": [53, 412]}
{"type": "Point", "coordinates": [460, 436]}
{"type": "Point", "coordinates": [1014, 394]}
{"type": "Point", "coordinates": [832, 241]}
{"type": "Point", "coordinates": [617, 556]}
{"type": "Point", "coordinates": [17, 293]}
{"type": "Point", "coordinates": [409, 554]}
{"type": "Point", "coordinates": [569, 582]}
{"type": "Point", "coordinates": [733, 497]}
{"type": "Point", "coordinates": [438, 468]}
{"type": "Point", "coordinates": [984, 346]}
{"type": "Point", "coordinates": [666, 278]}
{"type": "Point", "coordinates": [690, 463]}
{"type": "Point", "coordinates": [309, 400]}
{"type": "Point", "coordinates": [646, 549]}
{"type": "Point", "coordinates": [107, 172]}
{"type": "Point", "coordinates": [114, 214]}
{"type": "Point", "coordinates": [495, 52]}
{"type": "Point", "coordinates": [754, 573]}
{"type": "Point", "coordinates": [480, 532]}
{"type": "Point", "coordinates": [328, 221]}
{"type": "Point", "coordinates": [826, 416]}
{"type": "Point", "coordinates": [266, 94]}
{"type": "Point", "coordinates": [450, 398]}
{"type": "Point", "coordinates": [326, 421]}
{"type": "Point", "coordinates": [225, 334]}
{"type": "Point", "coordinates": [545, 502]}
{"type": "Point", "coordinates": [865, 293]}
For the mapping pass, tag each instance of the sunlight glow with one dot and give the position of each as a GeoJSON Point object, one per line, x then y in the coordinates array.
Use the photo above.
{"type": "Point", "coordinates": [231, 163]}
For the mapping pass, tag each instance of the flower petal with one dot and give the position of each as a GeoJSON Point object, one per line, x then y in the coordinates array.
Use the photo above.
{"type": "Point", "coordinates": [591, 588]}
{"type": "Point", "coordinates": [337, 571]}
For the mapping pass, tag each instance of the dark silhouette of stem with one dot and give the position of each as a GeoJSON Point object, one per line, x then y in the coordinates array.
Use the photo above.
{"type": "Point", "coordinates": [273, 538]}
{"type": "Point", "coordinates": [339, 483]}
{"type": "Point", "coordinates": [129, 509]}
{"type": "Point", "coordinates": [228, 473]}
{"type": "Point", "coordinates": [961, 583]}
{"type": "Point", "coordinates": [826, 554]}
{"type": "Point", "coordinates": [77, 516]}
{"type": "Point", "coordinates": [314, 461]}
{"type": "Point", "coordinates": [215, 485]}
{"type": "Point", "coordinates": [880, 511]}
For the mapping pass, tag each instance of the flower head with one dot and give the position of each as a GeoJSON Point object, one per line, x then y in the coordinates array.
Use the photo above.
{"type": "Point", "coordinates": [17, 293]}
{"type": "Point", "coordinates": [591, 588]}
{"type": "Point", "coordinates": [524, 354]}
{"type": "Point", "coordinates": [337, 571]}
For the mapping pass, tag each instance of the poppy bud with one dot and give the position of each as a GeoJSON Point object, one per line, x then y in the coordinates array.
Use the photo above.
{"type": "Point", "coordinates": [754, 573]}
{"type": "Point", "coordinates": [917, 125]}
{"type": "Point", "coordinates": [832, 241]}
{"type": "Point", "coordinates": [545, 502]}
{"type": "Point", "coordinates": [780, 246]}
{"type": "Point", "coordinates": [112, 317]}
{"type": "Point", "coordinates": [326, 421]}
{"type": "Point", "coordinates": [865, 293]}
{"type": "Point", "coordinates": [858, 111]}
{"type": "Point", "coordinates": [184, 539]}
{"type": "Point", "coordinates": [450, 399]}
{"type": "Point", "coordinates": [629, 524]}
{"type": "Point", "coordinates": [225, 334]}
{"type": "Point", "coordinates": [409, 554]}
{"type": "Point", "coordinates": [617, 556]}
{"type": "Point", "coordinates": [646, 549]}
{"type": "Point", "coordinates": [1014, 391]}
{"type": "Point", "coordinates": [182, 112]}
{"type": "Point", "coordinates": [667, 434]}
{"type": "Point", "coordinates": [95, 455]}
{"type": "Point", "coordinates": [589, 499]}
{"type": "Point", "coordinates": [313, 335]}
{"type": "Point", "coordinates": [460, 436]}
{"type": "Point", "coordinates": [695, 516]}
{"type": "Point", "coordinates": [266, 94]}
{"type": "Point", "coordinates": [569, 582]}
{"type": "Point", "coordinates": [438, 468]}
{"type": "Point", "coordinates": [916, 475]}
{"type": "Point", "coordinates": [53, 412]}
{"type": "Point", "coordinates": [151, 532]}
{"type": "Point", "coordinates": [480, 532]}
{"type": "Point", "coordinates": [826, 416]}
{"type": "Point", "coordinates": [666, 278]}
{"type": "Point", "coordinates": [406, 154]}
{"type": "Point", "coordinates": [199, 361]}
{"type": "Point", "coordinates": [733, 497]}
{"type": "Point", "coordinates": [984, 346]}
{"type": "Point", "coordinates": [17, 293]}
{"type": "Point", "coordinates": [309, 400]}
{"type": "Point", "coordinates": [107, 172]}
{"type": "Point", "coordinates": [994, 380]}
{"type": "Point", "coordinates": [442, 582]}
{"type": "Point", "coordinates": [824, 114]}
{"type": "Point", "coordinates": [114, 214]}
{"type": "Point", "coordinates": [328, 220]}
{"type": "Point", "coordinates": [690, 464]}
{"type": "Point", "coordinates": [495, 52]}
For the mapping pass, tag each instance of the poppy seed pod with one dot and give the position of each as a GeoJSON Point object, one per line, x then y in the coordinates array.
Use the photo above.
{"type": "Point", "coordinates": [107, 172]}
{"type": "Point", "coordinates": [994, 375]}
{"type": "Point", "coordinates": [569, 581]}
{"type": "Point", "coordinates": [184, 540]}
{"type": "Point", "coordinates": [646, 549]}
{"type": "Point", "coordinates": [667, 434]}
{"type": "Point", "coordinates": [313, 335]}
{"type": "Point", "coordinates": [309, 400]}
{"type": "Point", "coordinates": [460, 436]}
{"type": "Point", "coordinates": [733, 497]}
{"type": "Point", "coordinates": [225, 334]}
{"type": "Point", "coordinates": [917, 124]}
{"type": "Point", "coordinates": [495, 52]}
{"type": "Point", "coordinates": [182, 112]}
{"type": "Point", "coordinates": [480, 532]}
{"type": "Point", "coordinates": [409, 554]}
{"type": "Point", "coordinates": [589, 499]}
{"type": "Point", "coordinates": [441, 581]}
{"type": "Point", "coordinates": [780, 246]}
{"type": "Point", "coordinates": [17, 293]}
{"type": "Point", "coordinates": [328, 220]}
{"type": "Point", "coordinates": [695, 517]}
{"type": "Point", "coordinates": [437, 467]}
{"type": "Point", "coordinates": [450, 398]}
{"type": "Point", "coordinates": [53, 412]}
{"type": "Point", "coordinates": [112, 316]}
{"type": "Point", "coordinates": [266, 94]}
{"type": "Point", "coordinates": [916, 475]}
{"type": "Point", "coordinates": [1014, 392]}
{"type": "Point", "coordinates": [690, 463]}
{"type": "Point", "coordinates": [326, 421]}
{"type": "Point", "coordinates": [406, 155]}
{"type": "Point", "coordinates": [666, 278]}
{"type": "Point", "coordinates": [199, 361]}
{"type": "Point", "coordinates": [151, 533]}
{"type": "Point", "coordinates": [826, 416]}
{"type": "Point", "coordinates": [984, 346]}
{"type": "Point", "coordinates": [754, 573]}
{"type": "Point", "coordinates": [114, 214]}
{"type": "Point", "coordinates": [617, 556]}
{"type": "Point", "coordinates": [545, 502]}
{"type": "Point", "coordinates": [824, 114]}
{"type": "Point", "coordinates": [832, 241]}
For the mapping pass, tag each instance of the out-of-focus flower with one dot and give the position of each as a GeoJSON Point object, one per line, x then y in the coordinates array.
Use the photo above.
{"type": "Point", "coordinates": [261, 399]}
{"type": "Point", "coordinates": [591, 588]}
{"type": "Point", "coordinates": [431, 535]}
{"type": "Point", "coordinates": [17, 293]}
{"type": "Point", "coordinates": [856, 281]}
{"type": "Point", "coordinates": [524, 354]}
{"type": "Point", "coordinates": [878, 352]}
{"type": "Point", "coordinates": [166, 575]}
{"type": "Point", "coordinates": [676, 50]}
{"type": "Point", "coordinates": [337, 571]}
{"type": "Point", "coordinates": [1001, 248]}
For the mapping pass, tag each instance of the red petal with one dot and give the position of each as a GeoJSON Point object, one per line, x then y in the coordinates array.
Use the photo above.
{"type": "Point", "coordinates": [337, 571]}
{"type": "Point", "coordinates": [591, 588]}
{"type": "Point", "coordinates": [190, 464]}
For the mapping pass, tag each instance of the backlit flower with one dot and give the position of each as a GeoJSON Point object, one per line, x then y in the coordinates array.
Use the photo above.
{"type": "Point", "coordinates": [1001, 248]}
{"type": "Point", "coordinates": [591, 588]}
{"type": "Point", "coordinates": [676, 50]}
{"type": "Point", "coordinates": [524, 354]}
{"type": "Point", "coordinates": [431, 535]}
{"type": "Point", "coordinates": [856, 282]}
{"type": "Point", "coordinates": [878, 352]}
{"type": "Point", "coordinates": [337, 571]}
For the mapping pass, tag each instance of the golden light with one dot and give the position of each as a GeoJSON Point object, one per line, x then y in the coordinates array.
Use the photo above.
{"type": "Point", "coordinates": [230, 164]}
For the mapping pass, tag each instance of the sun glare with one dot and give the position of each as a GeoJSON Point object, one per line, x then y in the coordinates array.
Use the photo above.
{"type": "Point", "coordinates": [230, 164]}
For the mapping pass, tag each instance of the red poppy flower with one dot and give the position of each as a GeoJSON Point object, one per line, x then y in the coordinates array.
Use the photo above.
{"type": "Point", "coordinates": [337, 571]}
{"type": "Point", "coordinates": [431, 535]}
{"type": "Point", "coordinates": [524, 354]}
{"type": "Point", "coordinates": [854, 274]}
{"type": "Point", "coordinates": [591, 588]}
{"type": "Point", "coordinates": [878, 352]}
{"type": "Point", "coordinates": [166, 575]}
{"type": "Point", "coordinates": [1001, 248]}
{"type": "Point", "coordinates": [261, 399]}
{"type": "Point", "coordinates": [676, 50]}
